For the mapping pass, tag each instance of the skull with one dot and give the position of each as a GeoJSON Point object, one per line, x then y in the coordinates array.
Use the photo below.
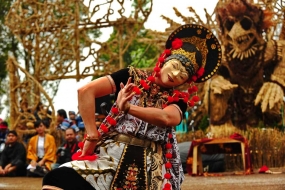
{"type": "Point", "coordinates": [242, 35]}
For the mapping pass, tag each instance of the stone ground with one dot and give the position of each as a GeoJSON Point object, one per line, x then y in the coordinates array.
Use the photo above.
{"type": "Point", "coordinates": [227, 181]}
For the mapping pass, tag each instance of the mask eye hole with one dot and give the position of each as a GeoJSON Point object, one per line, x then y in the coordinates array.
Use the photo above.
{"type": "Point", "coordinates": [246, 23]}
{"type": "Point", "coordinates": [228, 24]}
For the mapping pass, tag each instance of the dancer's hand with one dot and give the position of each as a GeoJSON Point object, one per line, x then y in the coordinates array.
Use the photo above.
{"type": "Point", "coordinates": [124, 95]}
{"type": "Point", "coordinates": [88, 148]}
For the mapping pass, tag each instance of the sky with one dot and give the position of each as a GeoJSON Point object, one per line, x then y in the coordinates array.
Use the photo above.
{"type": "Point", "coordinates": [66, 97]}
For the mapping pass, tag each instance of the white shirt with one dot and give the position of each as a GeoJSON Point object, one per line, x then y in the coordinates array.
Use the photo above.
{"type": "Point", "coordinates": [41, 145]}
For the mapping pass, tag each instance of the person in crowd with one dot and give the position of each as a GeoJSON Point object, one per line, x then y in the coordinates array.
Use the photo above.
{"type": "Point", "coordinates": [41, 151]}
{"type": "Point", "coordinates": [67, 123]}
{"type": "Point", "coordinates": [13, 158]}
{"type": "Point", "coordinates": [42, 113]}
{"type": "Point", "coordinates": [64, 122]}
{"type": "Point", "coordinates": [136, 144]}
{"type": "Point", "coordinates": [60, 117]}
{"type": "Point", "coordinates": [67, 149]}
{"type": "Point", "coordinates": [80, 123]}
{"type": "Point", "coordinates": [3, 134]}
{"type": "Point", "coordinates": [72, 116]}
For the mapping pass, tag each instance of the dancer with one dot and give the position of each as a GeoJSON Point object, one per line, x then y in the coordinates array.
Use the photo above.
{"type": "Point", "coordinates": [136, 143]}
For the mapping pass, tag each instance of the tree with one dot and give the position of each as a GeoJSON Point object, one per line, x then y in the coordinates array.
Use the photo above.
{"type": "Point", "coordinates": [8, 45]}
{"type": "Point", "coordinates": [130, 43]}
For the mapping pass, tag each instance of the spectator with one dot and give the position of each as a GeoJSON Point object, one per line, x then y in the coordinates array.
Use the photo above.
{"type": "Point", "coordinates": [80, 123]}
{"type": "Point", "coordinates": [41, 151]}
{"type": "Point", "coordinates": [61, 116]}
{"type": "Point", "coordinates": [42, 113]}
{"type": "Point", "coordinates": [72, 117]}
{"type": "Point", "coordinates": [64, 122]}
{"type": "Point", "coordinates": [13, 158]}
{"type": "Point", "coordinates": [67, 149]}
{"type": "Point", "coordinates": [3, 134]}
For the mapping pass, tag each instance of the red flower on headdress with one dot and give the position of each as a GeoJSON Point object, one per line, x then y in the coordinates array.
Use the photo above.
{"type": "Point", "coordinates": [161, 59]}
{"type": "Point", "coordinates": [156, 69]}
{"type": "Point", "coordinates": [194, 78]}
{"type": "Point", "coordinates": [200, 72]}
{"type": "Point", "coordinates": [177, 43]}
{"type": "Point", "coordinates": [167, 51]}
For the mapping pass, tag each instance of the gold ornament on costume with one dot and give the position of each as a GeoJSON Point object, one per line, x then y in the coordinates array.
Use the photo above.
{"type": "Point", "coordinates": [190, 55]}
{"type": "Point", "coordinates": [203, 39]}
{"type": "Point", "coordinates": [200, 45]}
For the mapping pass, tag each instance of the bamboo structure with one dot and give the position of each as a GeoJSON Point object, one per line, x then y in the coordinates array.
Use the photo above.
{"type": "Point", "coordinates": [60, 42]}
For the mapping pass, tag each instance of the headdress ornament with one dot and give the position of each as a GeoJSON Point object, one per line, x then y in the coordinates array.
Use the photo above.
{"type": "Point", "coordinates": [205, 42]}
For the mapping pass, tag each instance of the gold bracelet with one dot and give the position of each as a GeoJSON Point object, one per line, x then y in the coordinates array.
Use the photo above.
{"type": "Point", "coordinates": [92, 139]}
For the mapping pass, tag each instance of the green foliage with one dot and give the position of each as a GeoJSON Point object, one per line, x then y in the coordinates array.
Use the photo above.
{"type": "Point", "coordinates": [204, 123]}
{"type": "Point", "coordinates": [4, 7]}
{"type": "Point", "coordinates": [139, 54]}
{"type": "Point", "coordinates": [8, 43]}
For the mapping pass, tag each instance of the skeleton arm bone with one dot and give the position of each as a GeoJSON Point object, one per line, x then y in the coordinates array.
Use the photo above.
{"type": "Point", "coordinates": [271, 93]}
{"type": "Point", "coordinates": [270, 96]}
{"type": "Point", "coordinates": [278, 74]}
{"type": "Point", "coordinates": [220, 91]}
{"type": "Point", "coordinates": [220, 85]}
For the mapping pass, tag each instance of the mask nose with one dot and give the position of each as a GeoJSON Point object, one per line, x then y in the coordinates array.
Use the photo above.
{"type": "Point", "coordinates": [175, 73]}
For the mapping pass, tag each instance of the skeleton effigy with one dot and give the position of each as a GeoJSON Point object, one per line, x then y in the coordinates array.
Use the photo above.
{"type": "Point", "coordinates": [249, 87]}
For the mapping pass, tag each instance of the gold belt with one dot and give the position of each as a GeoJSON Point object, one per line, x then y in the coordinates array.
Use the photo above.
{"type": "Point", "coordinates": [131, 140]}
